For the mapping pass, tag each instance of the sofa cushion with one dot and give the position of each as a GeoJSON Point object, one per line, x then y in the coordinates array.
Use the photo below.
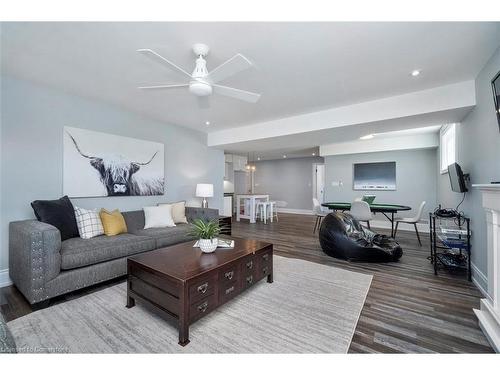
{"type": "Point", "coordinates": [59, 213]}
{"type": "Point", "coordinates": [77, 252]}
{"type": "Point", "coordinates": [113, 222]}
{"type": "Point", "coordinates": [158, 217]}
{"type": "Point", "coordinates": [89, 223]}
{"type": "Point", "coordinates": [178, 211]}
{"type": "Point", "coordinates": [168, 236]}
{"type": "Point", "coordinates": [134, 220]}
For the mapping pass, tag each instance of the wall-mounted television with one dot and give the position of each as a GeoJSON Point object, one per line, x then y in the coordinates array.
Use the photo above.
{"type": "Point", "coordinates": [457, 178]}
{"type": "Point", "coordinates": [374, 176]}
{"type": "Point", "coordinates": [495, 85]}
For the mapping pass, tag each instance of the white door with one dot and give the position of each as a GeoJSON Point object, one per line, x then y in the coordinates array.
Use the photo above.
{"type": "Point", "coordinates": [319, 182]}
{"type": "Point", "coordinates": [228, 206]}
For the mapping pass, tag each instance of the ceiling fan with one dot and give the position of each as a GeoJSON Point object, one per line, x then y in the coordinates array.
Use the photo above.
{"type": "Point", "coordinates": [201, 82]}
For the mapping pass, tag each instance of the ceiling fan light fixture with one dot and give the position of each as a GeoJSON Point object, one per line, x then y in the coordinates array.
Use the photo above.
{"type": "Point", "coordinates": [201, 81]}
{"type": "Point", "coordinates": [200, 88]}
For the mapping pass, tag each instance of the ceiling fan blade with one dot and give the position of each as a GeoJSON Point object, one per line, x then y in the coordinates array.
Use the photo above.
{"type": "Point", "coordinates": [162, 87]}
{"type": "Point", "coordinates": [203, 102]}
{"type": "Point", "coordinates": [234, 65]}
{"type": "Point", "coordinates": [246, 96]}
{"type": "Point", "coordinates": [162, 60]}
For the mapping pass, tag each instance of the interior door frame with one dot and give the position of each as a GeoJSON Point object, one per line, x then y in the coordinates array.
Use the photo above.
{"type": "Point", "coordinates": [314, 181]}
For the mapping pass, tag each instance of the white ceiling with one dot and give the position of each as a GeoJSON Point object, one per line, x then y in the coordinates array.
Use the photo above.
{"type": "Point", "coordinates": [300, 67]}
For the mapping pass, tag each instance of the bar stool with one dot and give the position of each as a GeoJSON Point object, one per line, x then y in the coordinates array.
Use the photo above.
{"type": "Point", "coordinates": [266, 210]}
{"type": "Point", "coordinates": [260, 211]}
{"type": "Point", "coordinates": [273, 210]}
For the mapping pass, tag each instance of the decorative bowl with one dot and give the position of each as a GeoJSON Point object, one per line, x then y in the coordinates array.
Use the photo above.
{"type": "Point", "coordinates": [208, 245]}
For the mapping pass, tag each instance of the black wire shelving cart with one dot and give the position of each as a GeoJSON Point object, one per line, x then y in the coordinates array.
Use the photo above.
{"type": "Point", "coordinates": [450, 243]}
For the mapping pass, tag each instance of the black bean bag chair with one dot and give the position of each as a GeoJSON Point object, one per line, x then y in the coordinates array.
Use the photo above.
{"type": "Point", "coordinates": [342, 236]}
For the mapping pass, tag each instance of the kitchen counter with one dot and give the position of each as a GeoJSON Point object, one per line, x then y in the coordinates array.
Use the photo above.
{"type": "Point", "coordinates": [249, 202]}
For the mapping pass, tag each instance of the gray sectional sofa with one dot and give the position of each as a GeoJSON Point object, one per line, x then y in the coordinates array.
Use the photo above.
{"type": "Point", "coordinates": [42, 266]}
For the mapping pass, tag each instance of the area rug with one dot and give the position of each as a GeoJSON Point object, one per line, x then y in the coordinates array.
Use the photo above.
{"type": "Point", "coordinates": [310, 308]}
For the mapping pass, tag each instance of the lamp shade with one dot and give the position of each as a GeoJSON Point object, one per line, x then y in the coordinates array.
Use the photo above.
{"type": "Point", "coordinates": [204, 190]}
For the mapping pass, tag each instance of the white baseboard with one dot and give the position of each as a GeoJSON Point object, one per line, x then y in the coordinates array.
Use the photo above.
{"type": "Point", "coordinates": [479, 280]}
{"type": "Point", "coordinates": [4, 278]}
{"type": "Point", "coordinates": [299, 211]}
{"type": "Point", "coordinates": [489, 321]}
{"type": "Point", "coordinates": [386, 224]}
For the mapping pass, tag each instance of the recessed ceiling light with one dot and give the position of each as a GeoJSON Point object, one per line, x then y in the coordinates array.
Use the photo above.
{"type": "Point", "coordinates": [284, 156]}
{"type": "Point", "coordinates": [368, 136]}
{"type": "Point", "coordinates": [207, 123]}
{"type": "Point", "coordinates": [314, 154]}
{"type": "Point", "coordinates": [415, 72]}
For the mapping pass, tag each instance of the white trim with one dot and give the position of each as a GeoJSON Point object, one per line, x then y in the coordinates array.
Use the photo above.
{"type": "Point", "coordinates": [460, 95]}
{"type": "Point", "coordinates": [298, 211]}
{"type": "Point", "coordinates": [442, 131]}
{"type": "Point", "coordinates": [386, 224]}
{"type": "Point", "coordinates": [4, 278]}
{"type": "Point", "coordinates": [409, 142]}
{"type": "Point", "coordinates": [489, 323]}
{"type": "Point", "coordinates": [480, 280]}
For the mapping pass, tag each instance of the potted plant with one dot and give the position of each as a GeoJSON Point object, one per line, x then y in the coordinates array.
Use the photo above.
{"type": "Point", "coordinates": [206, 232]}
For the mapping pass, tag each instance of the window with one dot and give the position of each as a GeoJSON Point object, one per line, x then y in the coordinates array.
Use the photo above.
{"type": "Point", "coordinates": [447, 144]}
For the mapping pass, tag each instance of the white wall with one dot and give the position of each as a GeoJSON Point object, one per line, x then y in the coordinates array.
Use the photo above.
{"type": "Point", "coordinates": [33, 118]}
{"type": "Point", "coordinates": [415, 178]}
{"type": "Point", "coordinates": [479, 155]}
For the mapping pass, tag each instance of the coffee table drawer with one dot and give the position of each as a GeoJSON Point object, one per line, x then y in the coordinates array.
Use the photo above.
{"type": "Point", "coordinates": [203, 307]}
{"type": "Point", "coordinates": [228, 291]}
{"type": "Point", "coordinates": [264, 264]}
{"type": "Point", "coordinates": [248, 265]}
{"type": "Point", "coordinates": [202, 288]}
{"type": "Point", "coordinates": [229, 274]}
{"type": "Point", "coordinates": [154, 295]}
{"type": "Point", "coordinates": [248, 280]}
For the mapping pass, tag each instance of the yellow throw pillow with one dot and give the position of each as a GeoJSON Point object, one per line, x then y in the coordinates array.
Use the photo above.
{"type": "Point", "coordinates": [112, 222]}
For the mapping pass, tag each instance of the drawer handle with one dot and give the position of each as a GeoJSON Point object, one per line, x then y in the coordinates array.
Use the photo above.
{"type": "Point", "coordinates": [203, 307]}
{"type": "Point", "coordinates": [229, 290]}
{"type": "Point", "coordinates": [264, 270]}
{"type": "Point", "coordinates": [250, 265]}
{"type": "Point", "coordinates": [265, 257]}
{"type": "Point", "coordinates": [249, 279]}
{"type": "Point", "coordinates": [203, 288]}
{"type": "Point", "coordinates": [229, 275]}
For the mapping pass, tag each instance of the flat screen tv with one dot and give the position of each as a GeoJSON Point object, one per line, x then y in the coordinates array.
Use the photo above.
{"type": "Point", "coordinates": [375, 176]}
{"type": "Point", "coordinates": [495, 85]}
{"type": "Point", "coordinates": [457, 179]}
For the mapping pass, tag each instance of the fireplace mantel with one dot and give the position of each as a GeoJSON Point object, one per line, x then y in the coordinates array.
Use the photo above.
{"type": "Point", "coordinates": [489, 313]}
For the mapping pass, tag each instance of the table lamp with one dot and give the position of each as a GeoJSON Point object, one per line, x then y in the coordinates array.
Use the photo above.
{"type": "Point", "coordinates": [204, 191]}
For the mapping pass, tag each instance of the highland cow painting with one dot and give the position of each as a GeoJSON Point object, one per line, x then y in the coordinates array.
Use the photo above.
{"type": "Point", "coordinates": [98, 164]}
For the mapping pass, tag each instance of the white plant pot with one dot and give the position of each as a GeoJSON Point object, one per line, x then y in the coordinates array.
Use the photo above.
{"type": "Point", "coordinates": [207, 245]}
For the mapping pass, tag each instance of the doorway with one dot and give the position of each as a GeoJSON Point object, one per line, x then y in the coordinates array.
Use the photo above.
{"type": "Point", "coordinates": [319, 182]}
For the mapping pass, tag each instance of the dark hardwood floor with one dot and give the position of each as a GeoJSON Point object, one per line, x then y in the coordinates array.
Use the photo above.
{"type": "Point", "coordinates": [407, 310]}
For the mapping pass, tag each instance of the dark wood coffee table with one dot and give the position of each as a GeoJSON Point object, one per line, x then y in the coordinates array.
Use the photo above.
{"type": "Point", "coordinates": [183, 284]}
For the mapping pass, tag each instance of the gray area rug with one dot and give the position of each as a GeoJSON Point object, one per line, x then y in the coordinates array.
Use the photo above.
{"type": "Point", "coordinates": [310, 308]}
